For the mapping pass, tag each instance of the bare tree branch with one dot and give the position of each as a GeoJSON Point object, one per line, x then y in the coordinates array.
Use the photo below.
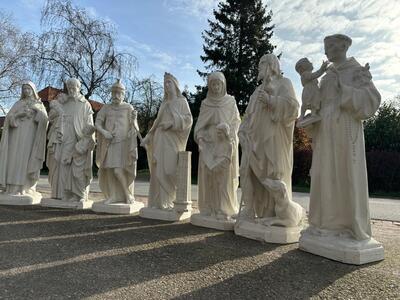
{"type": "Point", "coordinates": [77, 44]}
{"type": "Point", "coordinates": [15, 52]}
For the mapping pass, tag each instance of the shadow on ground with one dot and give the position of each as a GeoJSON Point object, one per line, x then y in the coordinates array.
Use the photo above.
{"type": "Point", "coordinates": [52, 253]}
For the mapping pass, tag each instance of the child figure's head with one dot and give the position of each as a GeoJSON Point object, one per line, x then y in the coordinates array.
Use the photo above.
{"type": "Point", "coordinates": [55, 105]}
{"type": "Point", "coordinates": [303, 65]}
{"type": "Point", "coordinates": [88, 130]}
{"type": "Point", "coordinates": [222, 131]}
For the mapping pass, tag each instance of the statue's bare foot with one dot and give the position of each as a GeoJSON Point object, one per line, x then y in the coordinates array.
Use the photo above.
{"type": "Point", "coordinates": [130, 200]}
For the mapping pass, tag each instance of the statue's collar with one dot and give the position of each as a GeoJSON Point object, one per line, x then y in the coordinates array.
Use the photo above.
{"type": "Point", "coordinates": [350, 62]}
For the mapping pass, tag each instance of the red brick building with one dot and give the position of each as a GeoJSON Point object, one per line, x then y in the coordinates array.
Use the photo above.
{"type": "Point", "coordinates": [49, 93]}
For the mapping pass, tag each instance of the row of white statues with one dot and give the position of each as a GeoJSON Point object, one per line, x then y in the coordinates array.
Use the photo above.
{"type": "Point", "coordinates": [339, 222]}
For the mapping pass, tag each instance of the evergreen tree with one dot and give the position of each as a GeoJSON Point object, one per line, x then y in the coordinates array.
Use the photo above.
{"type": "Point", "coordinates": [234, 44]}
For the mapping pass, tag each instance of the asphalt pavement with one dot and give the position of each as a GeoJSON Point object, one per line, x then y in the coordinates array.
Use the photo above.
{"type": "Point", "coordinates": [48, 253]}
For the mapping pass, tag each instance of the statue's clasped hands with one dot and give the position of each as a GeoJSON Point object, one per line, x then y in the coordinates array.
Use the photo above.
{"type": "Point", "coordinates": [265, 98]}
{"type": "Point", "coordinates": [107, 135]}
{"type": "Point", "coordinates": [21, 114]}
{"type": "Point", "coordinates": [166, 125]}
{"type": "Point", "coordinates": [27, 112]}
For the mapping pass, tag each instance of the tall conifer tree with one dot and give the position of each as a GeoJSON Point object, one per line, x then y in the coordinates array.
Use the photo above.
{"type": "Point", "coordinates": [235, 42]}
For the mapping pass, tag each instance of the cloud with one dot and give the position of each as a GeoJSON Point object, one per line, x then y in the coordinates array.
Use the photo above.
{"type": "Point", "coordinates": [198, 8]}
{"type": "Point", "coordinates": [147, 54]}
{"type": "Point", "coordinates": [302, 25]}
{"type": "Point", "coordinates": [188, 67]}
{"type": "Point", "coordinates": [373, 26]}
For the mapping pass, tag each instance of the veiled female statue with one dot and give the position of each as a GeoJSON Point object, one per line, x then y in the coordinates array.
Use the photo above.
{"type": "Point", "coordinates": [216, 135]}
{"type": "Point", "coordinates": [166, 138]}
{"type": "Point", "coordinates": [22, 146]}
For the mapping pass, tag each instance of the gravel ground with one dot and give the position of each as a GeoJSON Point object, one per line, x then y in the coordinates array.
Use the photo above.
{"type": "Point", "coordinates": [57, 254]}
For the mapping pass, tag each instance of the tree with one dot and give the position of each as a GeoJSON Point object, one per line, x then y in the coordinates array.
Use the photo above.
{"type": "Point", "coordinates": [235, 42]}
{"type": "Point", "coordinates": [301, 141]}
{"type": "Point", "coordinates": [145, 95]}
{"type": "Point", "coordinates": [382, 131]}
{"type": "Point", "coordinates": [77, 44]}
{"type": "Point", "coordinates": [15, 53]}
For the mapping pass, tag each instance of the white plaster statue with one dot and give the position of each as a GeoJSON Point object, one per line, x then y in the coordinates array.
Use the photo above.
{"type": "Point", "coordinates": [69, 154]}
{"type": "Point", "coordinates": [166, 138]}
{"type": "Point", "coordinates": [22, 148]}
{"type": "Point", "coordinates": [310, 97]}
{"type": "Point", "coordinates": [216, 134]}
{"type": "Point", "coordinates": [266, 136]}
{"type": "Point", "coordinates": [339, 217]}
{"type": "Point", "coordinates": [116, 155]}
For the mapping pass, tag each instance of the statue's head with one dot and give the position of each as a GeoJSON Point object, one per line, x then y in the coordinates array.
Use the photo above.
{"type": "Point", "coordinates": [28, 91]}
{"type": "Point", "coordinates": [303, 65]}
{"type": "Point", "coordinates": [216, 85]}
{"type": "Point", "coordinates": [73, 87]}
{"type": "Point", "coordinates": [171, 86]}
{"type": "Point", "coordinates": [336, 47]}
{"type": "Point", "coordinates": [269, 66]}
{"type": "Point", "coordinates": [117, 92]}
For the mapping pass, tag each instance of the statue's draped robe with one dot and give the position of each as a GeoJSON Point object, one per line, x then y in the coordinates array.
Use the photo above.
{"type": "Point", "coordinates": [23, 145]}
{"type": "Point", "coordinates": [267, 147]}
{"type": "Point", "coordinates": [163, 149]}
{"type": "Point", "coordinates": [54, 137]}
{"type": "Point", "coordinates": [119, 152]}
{"type": "Point", "coordinates": [310, 95]}
{"type": "Point", "coordinates": [212, 113]}
{"type": "Point", "coordinates": [82, 165]}
{"type": "Point", "coordinates": [339, 186]}
{"type": "Point", "coordinates": [67, 131]}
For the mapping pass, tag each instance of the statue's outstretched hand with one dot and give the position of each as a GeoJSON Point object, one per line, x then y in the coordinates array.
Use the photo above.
{"type": "Point", "coordinates": [134, 115]}
{"type": "Point", "coordinates": [144, 142]}
{"type": "Point", "coordinates": [324, 65]}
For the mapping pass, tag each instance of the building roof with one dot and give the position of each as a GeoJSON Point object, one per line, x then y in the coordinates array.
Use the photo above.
{"type": "Point", "coordinates": [49, 93]}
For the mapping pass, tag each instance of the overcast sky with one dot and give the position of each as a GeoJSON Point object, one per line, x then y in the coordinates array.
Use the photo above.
{"type": "Point", "coordinates": [165, 35]}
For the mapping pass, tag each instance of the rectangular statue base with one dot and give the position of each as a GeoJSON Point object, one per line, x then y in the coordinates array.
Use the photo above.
{"type": "Point", "coordinates": [57, 203]}
{"type": "Point", "coordinates": [117, 208]}
{"type": "Point", "coordinates": [269, 234]}
{"type": "Point", "coordinates": [212, 222]}
{"type": "Point", "coordinates": [20, 200]}
{"type": "Point", "coordinates": [343, 249]}
{"type": "Point", "coordinates": [164, 214]}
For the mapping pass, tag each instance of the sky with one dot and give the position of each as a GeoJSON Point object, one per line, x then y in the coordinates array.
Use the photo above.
{"type": "Point", "coordinates": [165, 35]}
